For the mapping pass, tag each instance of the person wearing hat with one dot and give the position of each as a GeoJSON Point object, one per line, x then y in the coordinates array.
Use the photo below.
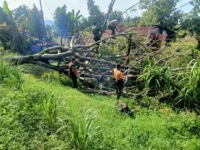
{"type": "Point", "coordinates": [119, 80]}
{"type": "Point", "coordinates": [73, 72]}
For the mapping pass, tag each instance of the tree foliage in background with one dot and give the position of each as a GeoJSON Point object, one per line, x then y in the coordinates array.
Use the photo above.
{"type": "Point", "coordinates": [21, 16]}
{"type": "Point", "coordinates": [129, 21]}
{"type": "Point", "coordinates": [20, 25]}
{"type": "Point", "coordinates": [37, 29]}
{"type": "Point", "coordinates": [114, 15]}
{"type": "Point", "coordinates": [160, 12]}
{"type": "Point", "coordinates": [95, 14]}
{"type": "Point", "coordinates": [6, 9]}
{"type": "Point", "coordinates": [9, 36]}
{"type": "Point", "coordinates": [191, 22]}
{"type": "Point", "coordinates": [74, 21]}
{"type": "Point", "coordinates": [61, 21]}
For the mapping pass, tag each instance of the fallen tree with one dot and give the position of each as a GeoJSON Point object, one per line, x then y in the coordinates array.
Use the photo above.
{"type": "Point", "coordinates": [96, 71]}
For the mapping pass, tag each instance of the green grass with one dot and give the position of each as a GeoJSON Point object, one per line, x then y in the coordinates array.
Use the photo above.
{"type": "Point", "coordinates": [39, 110]}
{"type": "Point", "coordinates": [48, 115]}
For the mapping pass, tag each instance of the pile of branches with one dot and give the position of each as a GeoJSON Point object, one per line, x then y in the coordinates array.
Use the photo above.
{"type": "Point", "coordinates": [96, 71]}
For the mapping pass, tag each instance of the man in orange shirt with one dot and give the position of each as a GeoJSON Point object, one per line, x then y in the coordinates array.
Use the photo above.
{"type": "Point", "coordinates": [73, 72]}
{"type": "Point", "coordinates": [119, 80]}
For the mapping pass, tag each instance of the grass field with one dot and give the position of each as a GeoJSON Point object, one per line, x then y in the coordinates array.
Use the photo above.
{"type": "Point", "coordinates": [41, 113]}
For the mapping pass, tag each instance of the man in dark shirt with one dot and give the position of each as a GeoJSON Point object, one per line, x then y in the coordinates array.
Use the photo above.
{"type": "Point", "coordinates": [97, 31]}
{"type": "Point", "coordinates": [73, 71]}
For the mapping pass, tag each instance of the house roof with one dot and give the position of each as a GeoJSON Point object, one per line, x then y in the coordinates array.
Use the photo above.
{"type": "Point", "coordinates": [143, 30]}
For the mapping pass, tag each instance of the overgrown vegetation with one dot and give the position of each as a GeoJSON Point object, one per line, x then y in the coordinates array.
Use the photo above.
{"type": "Point", "coordinates": [40, 110]}
{"type": "Point", "coordinates": [44, 114]}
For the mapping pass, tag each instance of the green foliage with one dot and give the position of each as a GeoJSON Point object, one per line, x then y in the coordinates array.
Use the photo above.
{"type": "Point", "coordinates": [38, 111]}
{"type": "Point", "coordinates": [95, 14]}
{"type": "Point", "coordinates": [67, 23]}
{"type": "Point", "coordinates": [37, 28]}
{"type": "Point", "coordinates": [56, 77]}
{"type": "Point", "coordinates": [91, 121]}
{"type": "Point", "coordinates": [74, 21]}
{"type": "Point", "coordinates": [128, 21]}
{"type": "Point", "coordinates": [61, 21]}
{"type": "Point", "coordinates": [50, 110]}
{"type": "Point", "coordinates": [114, 15]}
{"type": "Point", "coordinates": [30, 110]}
{"type": "Point", "coordinates": [190, 23]}
{"type": "Point", "coordinates": [156, 79]}
{"type": "Point", "coordinates": [10, 37]}
{"type": "Point", "coordinates": [81, 129]}
{"type": "Point", "coordinates": [160, 12]}
{"type": "Point", "coordinates": [6, 9]}
{"type": "Point", "coordinates": [189, 92]}
{"type": "Point", "coordinates": [10, 75]}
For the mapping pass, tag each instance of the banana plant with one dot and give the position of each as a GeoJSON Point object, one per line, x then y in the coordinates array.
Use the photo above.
{"type": "Point", "coordinates": [74, 20]}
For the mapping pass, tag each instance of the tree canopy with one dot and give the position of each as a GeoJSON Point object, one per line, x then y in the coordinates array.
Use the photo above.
{"type": "Point", "coordinates": [160, 12]}
{"type": "Point", "coordinates": [25, 22]}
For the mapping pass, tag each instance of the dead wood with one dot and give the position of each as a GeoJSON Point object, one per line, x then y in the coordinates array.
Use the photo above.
{"type": "Point", "coordinates": [96, 71]}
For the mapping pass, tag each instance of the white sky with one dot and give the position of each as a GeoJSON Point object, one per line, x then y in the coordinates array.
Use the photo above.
{"type": "Point", "coordinates": [49, 6]}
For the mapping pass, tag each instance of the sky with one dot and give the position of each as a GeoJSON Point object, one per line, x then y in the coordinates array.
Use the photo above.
{"type": "Point", "coordinates": [49, 6]}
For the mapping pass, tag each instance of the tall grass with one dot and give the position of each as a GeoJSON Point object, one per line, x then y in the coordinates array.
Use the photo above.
{"type": "Point", "coordinates": [81, 130]}
{"type": "Point", "coordinates": [4, 70]}
{"type": "Point", "coordinates": [189, 84]}
{"type": "Point", "coordinates": [156, 79]}
{"type": "Point", "coordinates": [18, 77]}
{"type": "Point", "coordinates": [10, 75]}
{"type": "Point", "coordinates": [50, 109]}
{"type": "Point", "coordinates": [182, 89]}
{"type": "Point", "coordinates": [37, 110]}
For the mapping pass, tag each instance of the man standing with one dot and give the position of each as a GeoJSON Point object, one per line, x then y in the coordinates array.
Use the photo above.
{"type": "Point", "coordinates": [73, 72]}
{"type": "Point", "coordinates": [115, 24]}
{"type": "Point", "coordinates": [96, 30]}
{"type": "Point", "coordinates": [119, 80]}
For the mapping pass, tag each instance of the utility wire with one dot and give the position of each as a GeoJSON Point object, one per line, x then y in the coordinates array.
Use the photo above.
{"type": "Point", "coordinates": [48, 7]}
{"type": "Point", "coordinates": [140, 2]}
{"type": "Point", "coordinates": [184, 5]}
{"type": "Point", "coordinates": [128, 9]}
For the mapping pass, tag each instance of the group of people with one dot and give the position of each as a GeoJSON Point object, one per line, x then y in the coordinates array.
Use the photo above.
{"type": "Point", "coordinates": [112, 25]}
{"type": "Point", "coordinates": [97, 33]}
{"type": "Point", "coordinates": [119, 77]}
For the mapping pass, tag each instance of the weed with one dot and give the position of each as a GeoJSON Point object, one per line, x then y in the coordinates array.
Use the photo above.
{"type": "Point", "coordinates": [4, 70]}
{"type": "Point", "coordinates": [50, 109]}
{"type": "Point", "coordinates": [189, 83]}
{"type": "Point", "coordinates": [156, 79]}
{"type": "Point", "coordinates": [11, 75]}
{"type": "Point", "coordinates": [81, 129]}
